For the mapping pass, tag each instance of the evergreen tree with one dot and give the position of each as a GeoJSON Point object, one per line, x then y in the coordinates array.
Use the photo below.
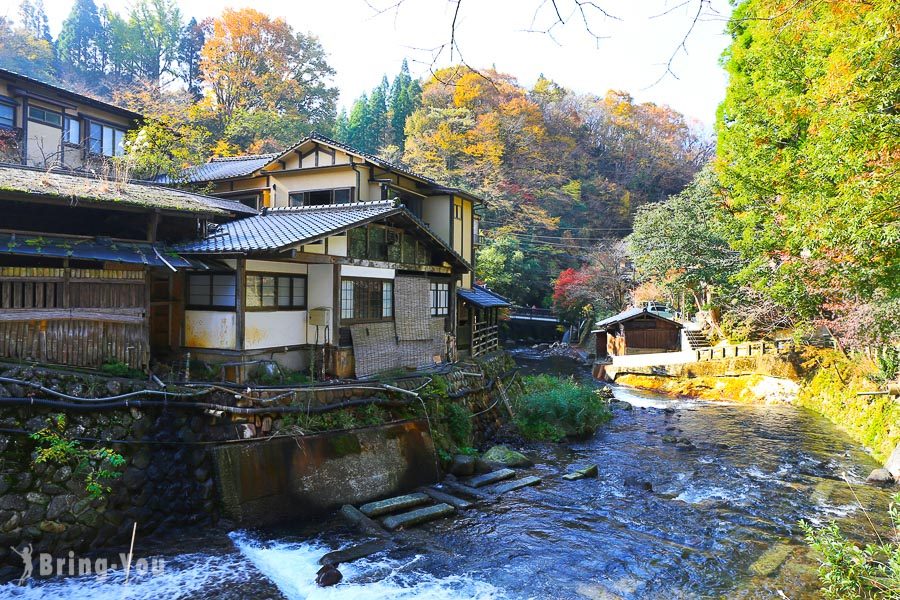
{"type": "Point", "coordinates": [34, 19]}
{"type": "Point", "coordinates": [359, 123]}
{"type": "Point", "coordinates": [342, 127]}
{"type": "Point", "coordinates": [193, 36]}
{"type": "Point", "coordinates": [405, 95]}
{"type": "Point", "coordinates": [81, 40]}
{"type": "Point", "coordinates": [376, 136]}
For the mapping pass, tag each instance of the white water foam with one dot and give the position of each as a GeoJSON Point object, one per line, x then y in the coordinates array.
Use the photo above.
{"type": "Point", "coordinates": [188, 576]}
{"type": "Point", "coordinates": [698, 495]}
{"type": "Point", "coordinates": [640, 399]}
{"type": "Point", "coordinates": [292, 568]}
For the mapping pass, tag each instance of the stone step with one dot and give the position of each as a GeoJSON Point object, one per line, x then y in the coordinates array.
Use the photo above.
{"type": "Point", "coordinates": [590, 471]}
{"type": "Point", "coordinates": [361, 521]}
{"type": "Point", "coordinates": [516, 485]}
{"type": "Point", "coordinates": [467, 491]}
{"type": "Point", "coordinates": [389, 505]}
{"type": "Point", "coordinates": [489, 478]}
{"type": "Point", "coordinates": [439, 496]}
{"type": "Point", "coordinates": [420, 515]}
{"type": "Point", "coordinates": [355, 552]}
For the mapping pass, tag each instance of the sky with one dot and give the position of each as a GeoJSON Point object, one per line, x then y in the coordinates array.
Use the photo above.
{"type": "Point", "coordinates": [364, 44]}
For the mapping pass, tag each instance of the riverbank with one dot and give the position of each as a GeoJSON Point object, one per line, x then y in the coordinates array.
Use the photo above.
{"type": "Point", "coordinates": [825, 381]}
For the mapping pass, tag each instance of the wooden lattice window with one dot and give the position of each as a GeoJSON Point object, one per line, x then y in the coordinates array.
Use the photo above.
{"type": "Point", "coordinates": [366, 300]}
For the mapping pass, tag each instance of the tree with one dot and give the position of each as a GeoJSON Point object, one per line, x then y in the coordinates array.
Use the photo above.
{"type": "Point", "coordinates": [156, 26]}
{"type": "Point", "coordinates": [808, 147]}
{"type": "Point", "coordinates": [34, 19]}
{"type": "Point", "coordinates": [405, 95]}
{"type": "Point", "coordinates": [600, 287]}
{"type": "Point", "coordinates": [505, 266]}
{"type": "Point", "coordinates": [682, 243]}
{"type": "Point", "coordinates": [81, 40]}
{"type": "Point", "coordinates": [193, 36]}
{"type": "Point", "coordinates": [251, 61]}
{"type": "Point", "coordinates": [23, 53]}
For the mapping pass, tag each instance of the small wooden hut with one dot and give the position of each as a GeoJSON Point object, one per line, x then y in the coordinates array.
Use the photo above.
{"type": "Point", "coordinates": [637, 331]}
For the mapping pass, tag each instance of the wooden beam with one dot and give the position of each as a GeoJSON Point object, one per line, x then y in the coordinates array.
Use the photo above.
{"type": "Point", "coordinates": [324, 259]}
{"type": "Point", "coordinates": [109, 315]}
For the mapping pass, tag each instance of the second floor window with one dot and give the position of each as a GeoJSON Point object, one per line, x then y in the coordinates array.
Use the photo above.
{"type": "Point", "coordinates": [71, 131]}
{"type": "Point", "coordinates": [7, 116]}
{"type": "Point", "coordinates": [105, 140]}
{"type": "Point", "coordinates": [321, 197]}
{"type": "Point", "coordinates": [45, 116]}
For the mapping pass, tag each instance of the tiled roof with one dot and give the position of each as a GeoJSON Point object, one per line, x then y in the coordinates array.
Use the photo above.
{"type": "Point", "coordinates": [225, 168]}
{"type": "Point", "coordinates": [60, 246]}
{"type": "Point", "coordinates": [16, 179]}
{"type": "Point", "coordinates": [627, 315]}
{"type": "Point", "coordinates": [232, 206]}
{"type": "Point", "coordinates": [282, 227]}
{"type": "Point", "coordinates": [483, 297]}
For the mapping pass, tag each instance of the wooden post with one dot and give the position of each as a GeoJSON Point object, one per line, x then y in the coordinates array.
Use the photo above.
{"type": "Point", "coordinates": [335, 304]}
{"type": "Point", "coordinates": [240, 306]}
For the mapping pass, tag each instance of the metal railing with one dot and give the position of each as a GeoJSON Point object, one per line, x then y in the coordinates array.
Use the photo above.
{"type": "Point", "coordinates": [523, 312]}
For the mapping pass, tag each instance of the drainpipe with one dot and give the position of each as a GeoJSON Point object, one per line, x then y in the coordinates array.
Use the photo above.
{"type": "Point", "coordinates": [353, 165]}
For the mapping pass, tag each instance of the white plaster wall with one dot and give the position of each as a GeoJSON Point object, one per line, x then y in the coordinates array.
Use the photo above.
{"type": "Point", "coordinates": [373, 272]}
{"type": "Point", "coordinates": [210, 329]}
{"type": "Point", "coordinates": [337, 245]}
{"type": "Point", "coordinates": [272, 329]}
{"type": "Point", "coordinates": [269, 266]}
{"type": "Point", "coordinates": [436, 212]}
{"type": "Point", "coordinates": [320, 292]}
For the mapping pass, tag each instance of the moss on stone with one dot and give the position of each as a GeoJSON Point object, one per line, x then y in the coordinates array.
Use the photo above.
{"type": "Point", "coordinates": [345, 445]}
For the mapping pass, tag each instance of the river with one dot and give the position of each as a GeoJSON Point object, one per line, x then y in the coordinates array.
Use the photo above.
{"type": "Point", "coordinates": [659, 522]}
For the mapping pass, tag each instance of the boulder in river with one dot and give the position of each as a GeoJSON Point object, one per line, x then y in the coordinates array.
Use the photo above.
{"type": "Point", "coordinates": [669, 439]}
{"type": "Point", "coordinates": [328, 575]}
{"type": "Point", "coordinates": [463, 465]}
{"type": "Point", "coordinates": [503, 455]}
{"type": "Point", "coordinates": [893, 463]}
{"type": "Point", "coordinates": [880, 477]}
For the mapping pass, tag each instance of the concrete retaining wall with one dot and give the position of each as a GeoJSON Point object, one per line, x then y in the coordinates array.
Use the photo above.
{"type": "Point", "coordinates": [300, 477]}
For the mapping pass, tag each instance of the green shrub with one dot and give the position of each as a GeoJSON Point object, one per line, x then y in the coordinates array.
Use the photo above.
{"type": "Point", "coordinates": [849, 572]}
{"type": "Point", "coordinates": [459, 423]}
{"type": "Point", "coordinates": [554, 407]}
{"type": "Point", "coordinates": [120, 369]}
{"type": "Point", "coordinates": [98, 466]}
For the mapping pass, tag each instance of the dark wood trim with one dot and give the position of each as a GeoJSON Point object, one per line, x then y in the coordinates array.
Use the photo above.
{"type": "Point", "coordinates": [109, 315]}
{"type": "Point", "coordinates": [240, 302]}
{"type": "Point", "coordinates": [333, 335]}
{"type": "Point", "coordinates": [24, 130]}
{"type": "Point", "coordinates": [277, 307]}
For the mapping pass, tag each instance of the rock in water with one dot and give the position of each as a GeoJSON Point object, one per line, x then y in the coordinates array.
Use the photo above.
{"type": "Point", "coordinates": [328, 576]}
{"type": "Point", "coordinates": [880, 477]}
{"type": "Point", "coordinates": [506, 457]}
{"type": "Point", "coordinates": [893, 463]}
{"type": "Point", "coordinates": [463, 465]}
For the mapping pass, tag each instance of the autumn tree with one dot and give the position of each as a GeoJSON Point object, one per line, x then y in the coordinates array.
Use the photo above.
{"type": "Point", "coordinates": [33, 18]}
{"type": "Point", "coordinates": [253, 62]}
{"type": "Point", "coordinates": [22, 52]}
{"type": "Point", "coordinates": [809, 143]}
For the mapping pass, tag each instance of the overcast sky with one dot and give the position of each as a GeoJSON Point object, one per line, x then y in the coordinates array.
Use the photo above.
{"type": "Point", "coordinates": [363, 45]}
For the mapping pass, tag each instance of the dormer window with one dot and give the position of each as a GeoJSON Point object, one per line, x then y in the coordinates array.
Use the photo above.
{"type": "Point", "coordinates": [321, 197]}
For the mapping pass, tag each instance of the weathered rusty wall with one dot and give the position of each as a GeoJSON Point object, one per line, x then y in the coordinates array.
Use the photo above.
{"type": "Point", "coordinates": [298, 477]}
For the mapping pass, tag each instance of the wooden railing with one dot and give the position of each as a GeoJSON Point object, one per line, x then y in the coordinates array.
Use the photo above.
{"type": "Point", "coordinates": [524, 312]}
{"type": "Point", "coordinates": [746, 349]}
{"type": "Point", "coordinates": [485, 338]}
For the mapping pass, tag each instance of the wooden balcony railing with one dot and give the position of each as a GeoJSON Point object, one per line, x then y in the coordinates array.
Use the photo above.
{"type": "Point", "coordinates": [485, 338]}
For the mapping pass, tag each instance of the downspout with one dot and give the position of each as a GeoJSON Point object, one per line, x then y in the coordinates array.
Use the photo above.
{"type": "Point", "coordinates": [353, 165]}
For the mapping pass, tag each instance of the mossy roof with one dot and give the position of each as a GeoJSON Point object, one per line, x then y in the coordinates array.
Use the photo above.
{"type": "Point", "coordinates": [95, 190]}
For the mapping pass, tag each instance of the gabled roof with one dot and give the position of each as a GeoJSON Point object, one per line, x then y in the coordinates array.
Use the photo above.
{"type": "Point", "coordinates": [280, 229]}
{"type": "Point", "coordinates": [243, 166]}
{"type": "Point", "coordinates": [227, 167]}
{"type": "Point", "coordinates": [64, 94]}
{"type": "Point", "coordinates": [21, 181]}
{"type": "Point", "coordinates": [481, 296]}
{"type": "Point", "coordinates": [628, 315]}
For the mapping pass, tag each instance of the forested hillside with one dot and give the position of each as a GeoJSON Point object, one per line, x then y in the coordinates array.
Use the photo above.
{"type": "Point", "coordinates": [559, 170]}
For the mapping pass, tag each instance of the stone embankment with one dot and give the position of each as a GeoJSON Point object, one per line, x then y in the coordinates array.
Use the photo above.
{"type": "Point", "coordinates": [183, 450]}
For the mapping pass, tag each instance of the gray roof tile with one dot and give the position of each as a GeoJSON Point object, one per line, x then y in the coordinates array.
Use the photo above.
{"type": "Point", "coordinates": [483, 297]}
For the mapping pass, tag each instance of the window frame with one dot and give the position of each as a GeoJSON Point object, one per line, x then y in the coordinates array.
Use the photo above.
{"type": "Point", "coordinates": [435, 292]}
{"type": "Point", "coordinates": [380, 294]}
{"type": "Point", "coordinates": [190, 305]}
{"type": "Point", "coordinates": [331, 191]}
{"type": "Point", "coordinates": [104, 126]}
{"type": "Point", "coordinates": [44, 121]}
{"type": "Point", "coordinates": [4, 103]}
{"type": "Point", "coordinates": [276, 307]}
{"type": "Point", "coordinates": [68, 120]}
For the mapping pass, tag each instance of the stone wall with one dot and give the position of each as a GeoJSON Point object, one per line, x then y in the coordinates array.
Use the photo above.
{"type": "Point", "coordinates": [173, 453]}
